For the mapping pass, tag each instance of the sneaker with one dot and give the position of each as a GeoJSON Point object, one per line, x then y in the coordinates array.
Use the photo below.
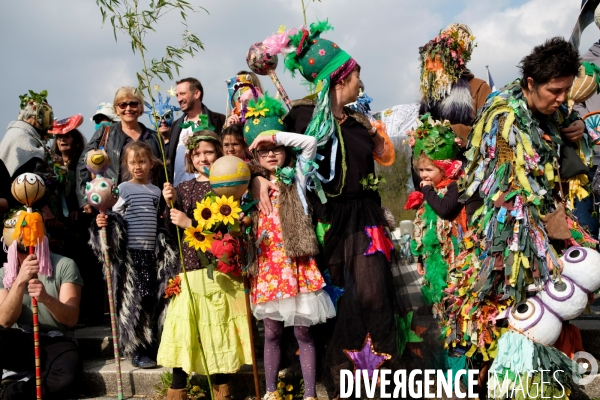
{"type": "Point", "coordinates": [144, 362]}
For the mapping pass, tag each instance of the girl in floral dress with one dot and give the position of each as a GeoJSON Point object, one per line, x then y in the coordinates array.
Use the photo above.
{"type": "Point", "coordinates": [287, 289]}
{"type": "Point", "coordinates": [219, 302]}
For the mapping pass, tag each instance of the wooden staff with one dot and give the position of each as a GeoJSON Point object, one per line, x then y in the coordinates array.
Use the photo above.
{"type": "Point", "coordinates": [111, 307]}
{"type": "Point", "coordinates": [250, 330]}
{"type": "Point", "coordinates": [28, 188]}
{"type": "Point", "coordinates": [102, 193]}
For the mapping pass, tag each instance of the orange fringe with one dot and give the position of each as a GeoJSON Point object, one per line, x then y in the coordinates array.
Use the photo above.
{"type": "Point", "coordinates": [29, 229]}
{"type": "Point", "coordinates": [389, 154]}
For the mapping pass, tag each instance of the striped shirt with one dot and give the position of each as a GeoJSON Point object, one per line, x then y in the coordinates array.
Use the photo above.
{"type": "Point", "coordinates": [138, 204]}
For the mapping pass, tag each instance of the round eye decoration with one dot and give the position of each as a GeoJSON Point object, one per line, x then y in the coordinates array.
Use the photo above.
{"type": "Point", "coordinates": [582, 266]}
{"type": "Point", "coordinates": [97, 161]}
{"type": "Point", "coordinates": [9, 228]}
{"type": "Point", "coordinates": [534, 321]}
{"type": "Point", "coordinates": [567, 300]}
{"type": "Point", "coordinates": [28, 188]}
{"type": "Point", "coordinates": [102, 194]}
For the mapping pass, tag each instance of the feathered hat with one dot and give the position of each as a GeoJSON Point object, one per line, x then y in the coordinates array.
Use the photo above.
{"type": "Point", "coordinates": [264, 116]}
{"type": "Point", "coordinates": [443, 59]}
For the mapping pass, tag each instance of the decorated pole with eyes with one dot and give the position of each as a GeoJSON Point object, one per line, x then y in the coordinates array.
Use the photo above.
{"type": "Point", "coordinates": [28, 188]}
{"type": "Point", "coordinates": [262, 63]}
{"type": "Point", "coordinates": [102, 193]}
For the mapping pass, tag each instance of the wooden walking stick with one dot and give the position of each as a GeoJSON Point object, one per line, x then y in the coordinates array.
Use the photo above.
{"type": "Point", "coordinates": [102, 193]}
{"type": "Point", "coordinates": [28, 188]}
{"type": "Point", "coordinates": [250, 330]}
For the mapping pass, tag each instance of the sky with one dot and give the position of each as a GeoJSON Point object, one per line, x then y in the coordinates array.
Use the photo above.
{"type": "Point", "coordinates": [61, 45]}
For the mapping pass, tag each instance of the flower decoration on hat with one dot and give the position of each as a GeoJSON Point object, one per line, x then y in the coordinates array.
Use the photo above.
{"type": "Point", "coordinates": [35, 105]}
{"type": "Point", "coordinates": [263, 116]}
{"type": "Point", "coordinates": [443, 59]}
{"type": "Point", "coordinates": [434, 138]}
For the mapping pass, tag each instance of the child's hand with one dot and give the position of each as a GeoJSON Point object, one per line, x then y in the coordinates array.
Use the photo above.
{"type": "Point", "coordinates": [420, 268]}
{"type": "Point", "coordinates": [180, 219]}
{"type": "Point", "coordinates": [260, 139]}
{"type": "Point", "coordinates": [425, 183]}
{"type": "Point", "coordinates": [233, 119]}
{"type": "Point", "coordinates": [102, 220]}
{"type": "Point", "coordinates": [169, 193]}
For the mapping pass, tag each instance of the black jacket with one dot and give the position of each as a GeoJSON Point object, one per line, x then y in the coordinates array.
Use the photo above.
{"type": "Point", "coordinates": [114, 147]}
{"type": "Point", "coordinates": [215, 119]}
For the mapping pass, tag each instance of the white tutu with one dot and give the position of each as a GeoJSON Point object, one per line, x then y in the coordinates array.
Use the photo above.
{"type": "Point", "coordinates": [304, 309]}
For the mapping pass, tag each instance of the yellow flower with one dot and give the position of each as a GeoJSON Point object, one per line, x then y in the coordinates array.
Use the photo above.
{"type": "Point", "coordinates": [256, 121]}
{"type": "Point", "coordinates": [198, 239]}
{"type": "Point", "coordinates": [206, 214]}
{"type": "Point", "coordinates": [259, 110]}
{"type": "Point", "coordinates": [281, 385]}
{"type": "Point", "coordinates": [228, 210]}
{"type": "Point", "coordinates": [247, 128]}
{"type": "Point", "coordinates": [289, 388]}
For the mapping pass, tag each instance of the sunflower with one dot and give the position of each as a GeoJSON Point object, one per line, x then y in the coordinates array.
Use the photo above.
{"type": "Point", "coordinates": [198, 239]}
{"type": "Point", "coordinates": [206, 214]}
{"type": "Point", "coordinates": [228, 210]}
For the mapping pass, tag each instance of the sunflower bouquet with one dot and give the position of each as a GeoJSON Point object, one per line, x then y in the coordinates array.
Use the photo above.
{"type": "Point", "coordinates": [216, 235]}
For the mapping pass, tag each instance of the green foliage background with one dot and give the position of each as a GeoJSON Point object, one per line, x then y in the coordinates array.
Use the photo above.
{"type": "Point", "coordinates": [398, 182]}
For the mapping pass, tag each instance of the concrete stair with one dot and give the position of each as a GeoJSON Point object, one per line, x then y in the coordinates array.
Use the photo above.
{"type": "Point", "coordinates": [99, 377]}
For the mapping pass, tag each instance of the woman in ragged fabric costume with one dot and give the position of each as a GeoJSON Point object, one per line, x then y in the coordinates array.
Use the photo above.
{"type": "Point", "coordinates": [356, 253]}
{"type": "Point", "coordinates": [513, 164]}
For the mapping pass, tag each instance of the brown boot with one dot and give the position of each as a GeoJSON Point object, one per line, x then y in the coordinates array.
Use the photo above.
{"type": "Point", "coordinates": [177, 394]}
{"type": "Point", "coordinates": [221, 392]}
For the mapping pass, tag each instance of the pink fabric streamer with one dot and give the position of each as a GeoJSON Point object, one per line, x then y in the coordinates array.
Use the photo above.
{"type": "Point", "coordinates": [12, 265]}
{"type": "Point", "coordinates": [43, 254]}
{"type": "Point", "coordinates": [278, 42]}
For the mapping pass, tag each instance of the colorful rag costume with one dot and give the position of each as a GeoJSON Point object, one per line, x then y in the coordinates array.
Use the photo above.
{"type": "Point", "coordinates": [515, 161]}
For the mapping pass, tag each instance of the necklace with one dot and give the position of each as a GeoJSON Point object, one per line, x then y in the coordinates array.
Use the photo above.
{"type": "Point", "coordinates": [341, 119]}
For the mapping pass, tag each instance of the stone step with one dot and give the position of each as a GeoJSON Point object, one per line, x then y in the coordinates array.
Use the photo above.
{"type": "Point", "coordinates": [99, 379]}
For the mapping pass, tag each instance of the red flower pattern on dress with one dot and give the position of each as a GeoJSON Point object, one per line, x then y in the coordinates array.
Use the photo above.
{"type": "Point", "coordinates": [280, 276]}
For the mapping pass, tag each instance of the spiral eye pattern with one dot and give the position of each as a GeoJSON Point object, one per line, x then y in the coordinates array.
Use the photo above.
{"type": "Point", "coordinates": [523, 311]}
{"type": "Point", "coordinates": [575, 254]}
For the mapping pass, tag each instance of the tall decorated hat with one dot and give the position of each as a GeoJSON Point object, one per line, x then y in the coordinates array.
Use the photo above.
{"type": "Point", "coordinates": [320, 61]}
{"type": "Point", "coordinates": [264, 116]}
{"type": "Point", "coordinates": [443, 59]}
{"type": "Point", "coordinates": [435, 139]}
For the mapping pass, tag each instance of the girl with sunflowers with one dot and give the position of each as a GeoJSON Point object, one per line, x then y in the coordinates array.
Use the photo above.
{"type": "Point", "coordinates": [287, 287]}
{"type": "Point", "coordinates": [219, 302]}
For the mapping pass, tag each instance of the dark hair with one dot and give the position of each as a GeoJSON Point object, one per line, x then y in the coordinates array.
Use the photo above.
{"type": "Point", "coordinates": [189, 165]}
{"type": "Point", "coordinates": [140, 148]}
{"type": "Point", "coordinates": [76, 147]}
{"type": "Point", "coordinates": [556, 58]}
{"type": "Point", "coordinates": [194, 85]}
{"type": "Point", "coordinates": [236, 130]}
{"type": "Point", "coordinates": [289, 157]}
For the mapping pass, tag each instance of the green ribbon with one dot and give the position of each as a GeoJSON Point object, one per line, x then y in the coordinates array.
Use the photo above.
{"type": "Point", "coordinates": [285, 175]}
{"type": "Point", "coordinates": [202, 124]}
{"type": "Point", "coordinates": [336, 62]}
{"type": "Point", "coordinates": [590, 70]}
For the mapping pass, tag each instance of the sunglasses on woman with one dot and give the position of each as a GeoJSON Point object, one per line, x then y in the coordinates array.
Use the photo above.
{"type": "Point", "coordinates": [131, 104]}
